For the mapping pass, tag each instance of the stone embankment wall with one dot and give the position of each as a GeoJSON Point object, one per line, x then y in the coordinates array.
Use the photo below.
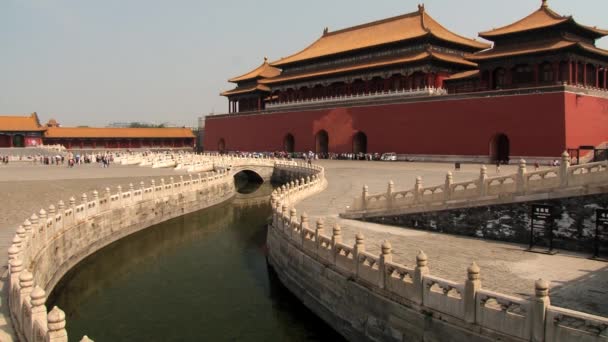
{"type": "Point", "coordinates": [52, 241]}
{"type": "Point", "coordinates": [573, 224]}
{"type": "Point", "coordinates": [369, 297]}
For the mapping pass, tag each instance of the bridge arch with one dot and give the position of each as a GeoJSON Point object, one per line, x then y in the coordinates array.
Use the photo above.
{"type": "Point", "coordinates": [247, 181]}
{"type": "Point", "coordinates": [289, 143]}
{"type": "Point", "coordinates": [500, 148]}
{"type": "Point", "coordinates": [359, 142]}
{"type": "Point", "coordinates": [322, 142]}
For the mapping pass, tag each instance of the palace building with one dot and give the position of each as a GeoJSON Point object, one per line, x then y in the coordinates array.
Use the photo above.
{"type": "Point", "coordinates": [26, 131]}
{"type": "Point", "coordinates": [409, 85]}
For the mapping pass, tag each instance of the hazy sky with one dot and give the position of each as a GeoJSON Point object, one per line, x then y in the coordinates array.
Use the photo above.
{"type": "Point", "coordinates": [86, 62]}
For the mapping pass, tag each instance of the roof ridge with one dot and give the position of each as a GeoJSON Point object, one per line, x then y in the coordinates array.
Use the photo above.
{"type": "Point", "coordinates": [430, 30]}
{"type": "Point", "coordinates": [371, 23]}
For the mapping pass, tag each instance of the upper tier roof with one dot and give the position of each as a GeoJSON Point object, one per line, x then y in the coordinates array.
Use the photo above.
{"type": "Point", "coordinates": [246, 90]}
{"type": "Point", "coordinates": [264, 70]}
{"type": "Point", "coordinates": [536, 47]}
{"type": "Point", "coordinates": [20, 123]}
{"type": "Point", "coordinates": [544, 17]}
{"type": "Point", "coordinates": [408, 26]}
{"type": "Point", "coordinates": [94, 132]}
{"type": "Point", "coordinates": [410, 58]}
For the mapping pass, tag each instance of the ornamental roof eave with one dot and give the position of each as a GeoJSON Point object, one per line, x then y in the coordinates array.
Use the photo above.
{"type": "Point", "coordinates": [387, 31]}
{"type": "Point", "coordinates": [246, 90]}
{"type": "Point", "coordinates": [415, 57]}
{"type": "Point", "coordinates": [542, 18]}
{"type": "Point", "coordinates": [263, 71]}
{"type": "Point", "coordinates": [538, 47]}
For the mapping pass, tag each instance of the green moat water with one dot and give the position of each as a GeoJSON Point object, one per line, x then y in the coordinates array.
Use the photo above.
{"type": "Point", "coordinates": [200, 277]}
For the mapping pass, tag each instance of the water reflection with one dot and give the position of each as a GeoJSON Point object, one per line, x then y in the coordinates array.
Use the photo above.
{"type": "Point", "coordinates": [201, 277]}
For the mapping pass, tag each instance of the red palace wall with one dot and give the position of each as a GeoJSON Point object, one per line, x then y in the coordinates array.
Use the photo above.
{"type": "Point", "coordinates": [586, 120]}
{"type": "Point", "coordinates": [535, 125]}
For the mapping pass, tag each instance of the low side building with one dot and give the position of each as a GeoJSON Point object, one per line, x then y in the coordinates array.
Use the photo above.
{"type": "Point", "coordinates": [20, 131]}
{"type": "Point", "coordinates": [26, 131]}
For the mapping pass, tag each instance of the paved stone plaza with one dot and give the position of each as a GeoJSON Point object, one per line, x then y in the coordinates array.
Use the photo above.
{"type": "Point", "coordinates": [577, 282]}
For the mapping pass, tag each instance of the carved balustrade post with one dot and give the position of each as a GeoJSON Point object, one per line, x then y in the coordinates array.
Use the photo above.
{"type": "Point", "coordinates": [26, 283]}
{"type": "Point", "coordinates": [119, 190]}
{"type": "Point", "coordinates": [320, 229]}
{"type": "Point", "coordinates": [419, 272]}
{"type": "Point", "coordinates": [41, 229]}
{"type": "Point", "coordinates": [389, 194]}
{"type": "Point", "coordinates": [16, 267]}
{"type": "Point", "coordinates": [37, 299]}
{"type": "Point", "coordinates": [56, 326]}
{"type": "Point", "coordinates": [471, 286]}
{"type": "Point", "coordinates": [364, 195]}
{"type": "Point", "coordinates": [284, 218]}
{"type": "Point", "coordinates": [539, 304]}
{"type": "Point", "coordinates": [303, 227]}
{"type": "Point", "coordinates": [563, 169]}
{"type": "Point", "coordinates": [336, 237]}
{"type": "Point", "coordinates": [522, 183]}
{"type": "Point", "coordinates": [293, 222]}
{"type": "Point", "coordinates": [483, 181]}
{"type": "Point", "coordinates": [418, 190]}
{"type": "Point", "coordinates": [385, 256]}
{"type": "Point", "coordinates": [83, 201]}
{"type": "Point", "coordinates": [359, 248]}
{"type": "Point", "coordinates": [447, 188]}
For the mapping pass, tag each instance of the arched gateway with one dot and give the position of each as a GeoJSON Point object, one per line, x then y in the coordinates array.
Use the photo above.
{"type": "Point", "coordinates": [500, 148]}
{"type": "Point", "coordinates": [221, 145]}
{"type": "Point", "coordinates": [289, 143]}
{"type": "Point", "coordinates": [360, 143]}
{"type": "Point", "coordinates": [322, 142]}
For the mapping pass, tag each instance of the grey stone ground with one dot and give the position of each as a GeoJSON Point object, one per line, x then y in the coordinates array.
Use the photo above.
{"type": "Point", "coordinates": [577, 282]}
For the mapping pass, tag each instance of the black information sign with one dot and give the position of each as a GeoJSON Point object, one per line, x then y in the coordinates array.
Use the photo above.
{"type": "Point", "coordinates": [601, 226]}
{"type": "Point", "coordinates": [542, 220]}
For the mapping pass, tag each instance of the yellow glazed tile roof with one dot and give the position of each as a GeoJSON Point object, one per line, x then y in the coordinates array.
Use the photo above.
{"type": "Point", "coordinates": [541, 18]}
{"type": "Point", "coordinates": [368, 65]}
{"type": "Point", "coordinates": [245, 90]}
{"type": "Point", "coordinates": [534, 47]}
{"type": "Point", "coordinates": [391, 30]}
{"type": "Point", "coordinates": [20, 123]}
{"type": "Point", "coordinates": [94, 132]}
{"type": "Point", "coordinates": [264, 71]}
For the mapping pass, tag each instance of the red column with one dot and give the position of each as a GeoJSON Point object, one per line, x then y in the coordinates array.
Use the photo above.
{"type": "Point", "coordinates": [556, 74]}
{"type": "Point", "coordinates": [490, 80]}
{"type": "Point", "coordinates": [260, 103]}
{"type": "Point", "coordinates": [430, 79]}
{"type": "Point", "coordinates": [597, 76]}
{"type": "Point", "coordinates": [386, 84]}
{"type": "Point", "coordinates": [575, 72]}
{"type": "Point", "coordinates": [570, 72]}
{"type": "Point", "coordinates": [229, 106]}
{"type": "Point", "coordinates": [585, 74]}
{"type": "Point", "coordinates": [605, 75]}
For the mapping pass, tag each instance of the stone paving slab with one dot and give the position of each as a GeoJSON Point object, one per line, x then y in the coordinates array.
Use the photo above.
{"type": "Point", "coordinates": [577, 282]}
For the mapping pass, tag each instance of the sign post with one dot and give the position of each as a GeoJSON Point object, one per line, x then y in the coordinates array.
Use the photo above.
{"type": "Point", "coordinates": [601, 223]}
{"type": "Point", "coordinates": [542, 220]}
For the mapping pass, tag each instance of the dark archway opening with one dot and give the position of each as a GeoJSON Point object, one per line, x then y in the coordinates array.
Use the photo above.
{"type": "Point", "coordinates": [247, 181]}
{"type": "Point", "coordinates": [289, 143]}
{"type": "Point", "coordinates": [221, 145]}
{"type": "Point", "coordinates": [360, 143]}
{"type": "Point", "coordinates": [322, 143]}
{"type": "Point", "coordinates": [5, 140]}
{"type": "Point", "coordinates": [500, 148]}
{"type": "Point", "coordinates": [18, 140]}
